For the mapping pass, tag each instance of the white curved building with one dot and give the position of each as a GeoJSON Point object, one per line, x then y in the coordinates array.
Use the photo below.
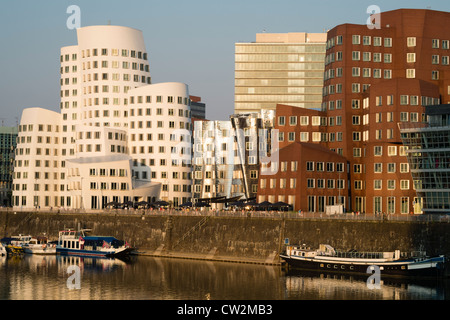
{"type": "Point", "coordinates": [159, 138]}
{"type": "Point", "coordinates": [90, 153]}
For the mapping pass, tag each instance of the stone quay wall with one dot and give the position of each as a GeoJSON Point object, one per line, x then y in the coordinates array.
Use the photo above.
{"type": "Point", "coordinates": [236, 239]}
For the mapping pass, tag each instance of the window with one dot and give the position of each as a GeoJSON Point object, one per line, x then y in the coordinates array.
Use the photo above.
{"type": "Point", "coordinates": [356, 39]}
{"type": "Point", "coordinates": [410, 57]}
{"type": "Point", "coordinates": [376, 41]}
{"type": "Point", "coordinates": [304, 136]}
{"type": "Point", "coordinates": [435, 43]}
{"type": "Point", "coordinates": [377, 57]}
{"type": "Point", "coordinates": [411, 41]}
{"type": "Point", "coordinates": [366, 40]}
{"type": "Point", "coordinates": [320, 167]}
{"type": "Point", "coordinates": [445, 44]}
{"type": "Point", "coordinates": [366, 72]}
{"type": "Point", "coordinates": [388, 42]}
{"type": "Point", "coordinates": [293, 120]}
{"type": "Point", "coordinates": [387, 58]}
{"type": "Point", "coordinates": [410, 73]}
{"type": "Point", "coordinates": [404, 184]}
{"type": "Point", "coordinates": [356, 55]}
{"type": "Point", "coordinates": [377, 184]}
{"type": "Point", "coordinates": [434, 75]}
{"type": "Point", "coordinates": [378, 151]}
{"type": "Point", "coordinates": [378, 168]}
{"type": "Point", "coordinates": [391, 168]}
{"type": "Point", "coordinates": [291, 136]}
{"type": "Point", "coordinates": [445, 60]}
{"type": "Point", "coordinates": [388, 74]}
{"type": "Point", "coordinates": [391, 185]}
{"type": "Point", "coordinates": [435, 59]}
{"type": "Point", "coordinates": [309, 166]}
{"type": "Point", "coordinates": [281, 121]}
{"type": "Point", "coordinates": [304, 120]}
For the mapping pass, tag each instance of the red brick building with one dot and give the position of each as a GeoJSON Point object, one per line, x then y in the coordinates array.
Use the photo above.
{"type": "Point", "coordinates": [310, 177]}
{"type": "Point", "coordinates": [375, 79]}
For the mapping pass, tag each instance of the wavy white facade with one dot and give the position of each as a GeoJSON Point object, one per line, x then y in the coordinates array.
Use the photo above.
{"type": "Point", "coordinates": [87, 155]}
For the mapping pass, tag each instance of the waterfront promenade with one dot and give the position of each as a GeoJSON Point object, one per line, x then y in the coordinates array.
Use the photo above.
{"type": "Point", "coordinates": [245, 213]}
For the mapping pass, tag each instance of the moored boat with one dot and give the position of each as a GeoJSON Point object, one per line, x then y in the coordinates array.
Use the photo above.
{"type": "Point", "coordinates": [327, 259]}
{"type": "Point", "coordinates": [78, 243]}
{"type": "Point", "coordinates": [39, 245]}
{"type": "Point", "coordinates": [14, 245]}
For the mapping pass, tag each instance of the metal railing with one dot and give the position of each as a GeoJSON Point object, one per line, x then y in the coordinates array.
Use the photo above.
{"type": "Point", "coordinates": [242, 213]}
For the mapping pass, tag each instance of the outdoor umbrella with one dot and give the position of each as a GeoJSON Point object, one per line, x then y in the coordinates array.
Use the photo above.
{"type": "Point", "coordinates": [161, 203]}
{"type": "Point", "coordinates": [186, 204]}
{"type": "Point", "coordinates": [265, 204]}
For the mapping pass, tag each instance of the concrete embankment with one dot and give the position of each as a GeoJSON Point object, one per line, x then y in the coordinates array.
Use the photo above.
{"type": "Point", "coordinates": [235, 239]}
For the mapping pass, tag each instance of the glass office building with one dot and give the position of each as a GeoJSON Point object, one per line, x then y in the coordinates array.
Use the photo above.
{"type": "Point", "coordinates": [428, 155]}
{"type": "Point", "coordinates": [284, 68]}
{"type": "Point", "coordinates": [8, 136]}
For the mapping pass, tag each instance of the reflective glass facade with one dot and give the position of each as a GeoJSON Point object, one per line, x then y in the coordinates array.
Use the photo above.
{"type": "Point", "coordinates": [429, 158]}
{"type": "Point", "coordinates": [267, 73]}
{"type": "Point", "coordinates": [8, 136]}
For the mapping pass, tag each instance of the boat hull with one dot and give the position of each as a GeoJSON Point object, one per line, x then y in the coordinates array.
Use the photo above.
{"type": "Point", "coordinates": [93, 253]}
{"type": "Point", "coordinates": [39, 250]}
{"type": "Point", "coordinates": [432, 267]}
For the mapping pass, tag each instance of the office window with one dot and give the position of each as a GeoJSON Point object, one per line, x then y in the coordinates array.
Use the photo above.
{"type": "Point", "coordinates": [378, 150]}
{"type": "Point", "coordinates": [410, 73]}
{"type": "Point", "coordinates": [435, 59]}
{"type": "Point", "coordinates": [387, 58]}
{"type": "Point", "coordinates": [388, 42]}
{"type": "Point", "coordinates": [378, 168]}
{"type": "Point", "coordinates": [366, 40]}
{"type": "Point", "coordinates": [411, 41]}
{"type": "Point", "coordinates": [434, 75]}
{"type": "Point", "coordinates": [377, 184]}
{"type": "Point", "coordinates": [356, 39]}
{"type": "Point", "coordinates": [391, 185]}
{"type": "Point", "coordinates": [410, 57]}
{"type": "Point", "coordinates": [435, 43]}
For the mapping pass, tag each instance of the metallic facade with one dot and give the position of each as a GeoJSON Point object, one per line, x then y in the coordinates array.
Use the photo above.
{"type": "Point", "coordinates": [227, 156]}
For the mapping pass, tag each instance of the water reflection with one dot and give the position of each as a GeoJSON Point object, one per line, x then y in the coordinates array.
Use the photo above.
{"type": "Point", "coordinates": [32, 277]}
{"type": "Point", "coordinates": [314, 285]}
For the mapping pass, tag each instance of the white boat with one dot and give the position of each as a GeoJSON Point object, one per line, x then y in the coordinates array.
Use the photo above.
{"type": "Point", "coordinates": [77, 243]}
{"type": "Point", "coordinates": [39, 245]}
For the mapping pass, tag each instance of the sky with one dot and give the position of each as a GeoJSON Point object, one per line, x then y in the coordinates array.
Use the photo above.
{"type": "Point", "coordinates": [187, 41]}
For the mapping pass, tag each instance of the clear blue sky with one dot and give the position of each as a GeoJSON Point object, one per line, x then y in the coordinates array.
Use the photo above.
{"type": "Point", "coordinates": [188, 41]}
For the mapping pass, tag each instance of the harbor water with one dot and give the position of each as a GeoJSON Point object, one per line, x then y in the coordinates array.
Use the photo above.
{"type": "Point", "coordinates": [34, 277]}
